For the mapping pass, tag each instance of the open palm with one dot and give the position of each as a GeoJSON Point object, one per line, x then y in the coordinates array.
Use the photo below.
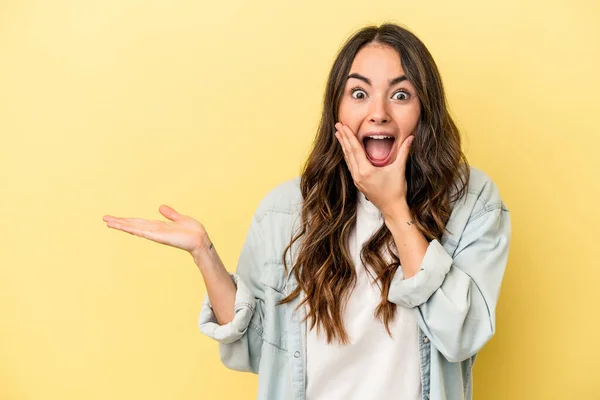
{"type": "Point", "coordinates": [180, 231]}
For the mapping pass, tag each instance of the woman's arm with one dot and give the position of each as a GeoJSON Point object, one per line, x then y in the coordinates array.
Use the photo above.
{"type": "Point", "coordinates": [410, 242]}
{"type": "Point", "coordinates": [220, 288]}
{"type": "Point", "coordinates": [456, 296]}
{"type": "Point", "coordinates": [240, 338]}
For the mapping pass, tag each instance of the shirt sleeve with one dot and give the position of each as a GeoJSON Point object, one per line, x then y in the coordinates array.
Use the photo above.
{"type": "Point", "coordinates": [235, 329]}
{"type": "Point", "coordinates": [417, 289]}
{"type": "Point", "coordinates": [455, 297]}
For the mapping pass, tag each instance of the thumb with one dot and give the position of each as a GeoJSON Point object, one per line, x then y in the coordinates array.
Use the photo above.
{"type": "Point", "coordinates": [403, 151]}
{"type": "Point", "coordinates": [170, 213]}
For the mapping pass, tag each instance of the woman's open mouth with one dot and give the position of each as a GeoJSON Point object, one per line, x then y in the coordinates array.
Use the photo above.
{"type": "Point", "coordinates": [379, 149]}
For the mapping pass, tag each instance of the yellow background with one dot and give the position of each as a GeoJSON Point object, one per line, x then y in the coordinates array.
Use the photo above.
{"type": "Point", "coordinates": [119, 106]}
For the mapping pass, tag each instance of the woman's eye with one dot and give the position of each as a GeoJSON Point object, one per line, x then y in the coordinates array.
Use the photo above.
{"type": "Point", "coordinates": [401, 96]}
{"type": "Point", "coordinates": [355, 93]}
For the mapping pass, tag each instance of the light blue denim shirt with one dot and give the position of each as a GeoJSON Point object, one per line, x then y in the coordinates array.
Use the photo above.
{"type": "Point", "coordinates": [453, 296]}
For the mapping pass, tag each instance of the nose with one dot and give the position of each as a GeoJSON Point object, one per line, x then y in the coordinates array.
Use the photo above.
{"type": "Point", "coordinates": [378, 113]}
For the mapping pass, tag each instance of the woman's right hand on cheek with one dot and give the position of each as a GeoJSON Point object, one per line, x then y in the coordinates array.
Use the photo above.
{"type": "Point", "coordinates": [181, 231]}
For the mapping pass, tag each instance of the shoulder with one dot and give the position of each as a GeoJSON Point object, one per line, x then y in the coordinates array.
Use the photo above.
{"type": "Point", "coordinates": [482, 198]}
{"type": "Point", "coordinates": [484, 191]}
{"type": "Point", "coordinates": [479, 208]}
{"type": "Point", "coordinates": [276, 218]}
{"type": "Point", "coordinates": [284, 198]}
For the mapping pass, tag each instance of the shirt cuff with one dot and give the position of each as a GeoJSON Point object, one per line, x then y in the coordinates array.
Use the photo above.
{"type": "Point", "coordinates": [243, 310]}
{"type": "Point", "coordinates": [417, 289]}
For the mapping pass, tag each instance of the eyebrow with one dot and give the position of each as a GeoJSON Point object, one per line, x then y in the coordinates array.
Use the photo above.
{"type": "Point", "coordinates": [368, 81]}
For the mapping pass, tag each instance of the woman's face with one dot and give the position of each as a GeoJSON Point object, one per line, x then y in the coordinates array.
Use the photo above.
{"type": "Point", "coordinates": [379, 100]}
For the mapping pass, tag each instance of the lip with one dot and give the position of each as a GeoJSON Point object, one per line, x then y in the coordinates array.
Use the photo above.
{"type": "Point", "coordinates": [374, 133]}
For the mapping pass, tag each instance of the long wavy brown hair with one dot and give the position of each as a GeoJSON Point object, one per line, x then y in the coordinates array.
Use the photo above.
{"type": "Point", "coordinates": [437, 174]}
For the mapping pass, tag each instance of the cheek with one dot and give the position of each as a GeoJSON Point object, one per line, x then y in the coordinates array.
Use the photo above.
{"type": "Point", "coordinates": [350, 115]}
{"type": "Point", "coordinates": [408, 118]}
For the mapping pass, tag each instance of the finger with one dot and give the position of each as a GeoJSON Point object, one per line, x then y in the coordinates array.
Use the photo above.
{"type": "Point", "coordinates": [108, 218]}
{"type": "Point", "coordinates": [338, 136]}
{"type": "Point", "coordinates": [340, 139]}
{"type": "Point", "coordinates": [169, 213]}
{"type": "Point", "coordinates": [357, 153]}
{"type": "Point", "coordinates": [347, 152]}
{"type": "Point", "coordinates": [127, 226]}
{"type": "Point", "coordinates": [150, 232]}
{"type": "Point", "coordinates": [135, 220]}
{"type": "Point", "coordinates": [403, 151]}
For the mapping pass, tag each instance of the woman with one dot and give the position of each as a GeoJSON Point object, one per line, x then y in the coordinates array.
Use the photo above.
{"type": "Point", "coordinates": [375, 274]}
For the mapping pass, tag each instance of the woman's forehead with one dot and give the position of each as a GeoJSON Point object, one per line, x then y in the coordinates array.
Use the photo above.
{"type": "Point", "coordinates": [377, 61]}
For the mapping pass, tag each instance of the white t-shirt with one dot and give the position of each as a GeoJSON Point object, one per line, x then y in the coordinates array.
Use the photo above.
{"type": "Point", "coordinates": [373, 365]}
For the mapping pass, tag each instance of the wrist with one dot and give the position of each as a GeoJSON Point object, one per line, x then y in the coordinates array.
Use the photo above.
{"type": "Point", "coordinates": [203, 251]}
{"type": "Point", "coordinates": [399, 215]}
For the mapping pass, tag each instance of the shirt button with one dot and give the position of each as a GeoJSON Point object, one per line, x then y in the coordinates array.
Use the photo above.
{"type": "Point", "coordinates": [426, 340]}
{"type": "Point", "coordinates": [297, 354]}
